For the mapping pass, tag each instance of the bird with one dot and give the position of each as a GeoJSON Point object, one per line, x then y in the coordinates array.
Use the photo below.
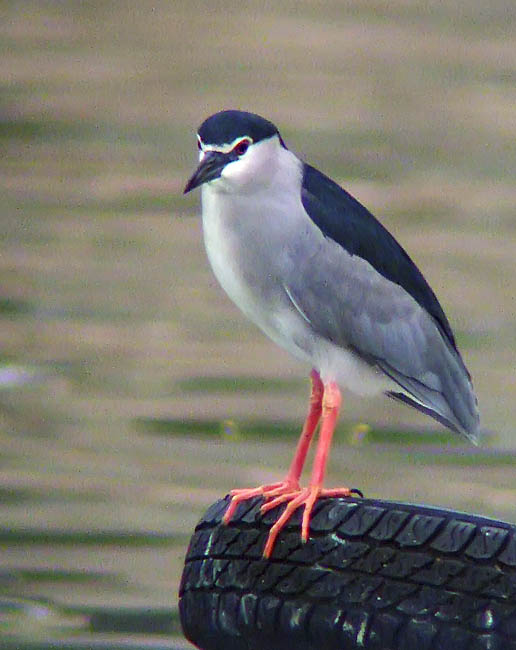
{"type": "Point", "coordinates": [324, 279]}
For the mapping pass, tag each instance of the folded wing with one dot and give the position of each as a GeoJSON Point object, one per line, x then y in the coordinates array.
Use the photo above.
{"type": "Point", "coordinates": [360, 290]}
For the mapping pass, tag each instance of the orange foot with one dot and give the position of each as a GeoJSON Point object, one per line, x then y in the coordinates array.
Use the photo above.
{"type": "Point", "coordinates": [296, 498]}
{"type": "Point", "coordinates": [274, 490]}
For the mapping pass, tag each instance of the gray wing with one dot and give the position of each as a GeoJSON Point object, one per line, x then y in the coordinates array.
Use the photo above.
{"type": "Point", "coordinates": [350, 304]}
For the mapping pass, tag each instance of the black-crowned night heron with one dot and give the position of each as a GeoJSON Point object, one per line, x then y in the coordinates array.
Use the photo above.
{"type": "Point", "coordinates": [313, 268]}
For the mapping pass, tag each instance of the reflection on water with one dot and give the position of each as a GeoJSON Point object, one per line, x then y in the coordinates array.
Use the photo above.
{"type": "Point", "coordinates": [29, 624]}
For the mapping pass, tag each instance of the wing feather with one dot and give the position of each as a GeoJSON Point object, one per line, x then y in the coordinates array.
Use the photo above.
{"type": "Point", "coordinates": [368, 297]}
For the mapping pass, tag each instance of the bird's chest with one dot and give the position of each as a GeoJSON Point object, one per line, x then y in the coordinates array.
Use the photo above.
{"type": "Point", "coordinates": [241, 253]}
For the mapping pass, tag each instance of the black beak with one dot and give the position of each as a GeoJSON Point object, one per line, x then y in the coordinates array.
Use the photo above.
{"type": "Point", "coordinates": [209, 169]}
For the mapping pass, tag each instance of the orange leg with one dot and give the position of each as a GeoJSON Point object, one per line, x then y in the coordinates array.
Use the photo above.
{"type": "Point", "coordinates": [290, 484]}
{"type": "Point", "coordinates": [308, 496]}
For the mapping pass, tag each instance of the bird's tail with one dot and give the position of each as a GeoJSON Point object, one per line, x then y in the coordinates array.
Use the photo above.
{"type": "Point", "coordinates": [454, 405]}
{"type": "Point", "coordinates": [472, 436]}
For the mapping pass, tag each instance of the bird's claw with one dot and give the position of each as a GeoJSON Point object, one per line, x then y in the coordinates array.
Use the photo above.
{"type": "Point", "coordinates": [289, 492]}
{"type": "Point", "coordinates": [306, 497]}
{"type": "Point", "coordinates": [269, 491]}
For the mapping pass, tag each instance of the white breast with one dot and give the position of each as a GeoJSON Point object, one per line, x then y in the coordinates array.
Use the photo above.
{"type": "Point", "coordinates": [224, 251]}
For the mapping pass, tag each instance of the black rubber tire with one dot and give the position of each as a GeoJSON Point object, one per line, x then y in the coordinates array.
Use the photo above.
{"type": "Point", "coordinates": [374, 574]}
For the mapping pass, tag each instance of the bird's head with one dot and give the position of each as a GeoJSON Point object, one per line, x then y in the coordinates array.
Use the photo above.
{"type": "Point", "coordinates": [237, 151]}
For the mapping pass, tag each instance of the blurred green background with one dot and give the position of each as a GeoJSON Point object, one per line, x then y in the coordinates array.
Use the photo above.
{"type": "Point", "coordinates": [132, 392]}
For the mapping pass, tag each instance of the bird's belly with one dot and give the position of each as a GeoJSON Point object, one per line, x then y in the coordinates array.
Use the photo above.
{"type": "Point", "coordinates": [336, 363]}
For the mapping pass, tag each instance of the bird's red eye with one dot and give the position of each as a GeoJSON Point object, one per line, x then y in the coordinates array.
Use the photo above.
{"type": "Point", "coordinates": [241, 147]}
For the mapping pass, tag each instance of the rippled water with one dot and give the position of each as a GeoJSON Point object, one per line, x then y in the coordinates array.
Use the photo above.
{"type": "Point", "coordinates": [132, 393]}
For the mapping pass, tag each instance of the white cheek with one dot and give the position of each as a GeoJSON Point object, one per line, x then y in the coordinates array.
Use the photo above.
{"type": "Point", "coordinates": [238, 172]}
{"type": "Point", "coordinates": [255, 169]}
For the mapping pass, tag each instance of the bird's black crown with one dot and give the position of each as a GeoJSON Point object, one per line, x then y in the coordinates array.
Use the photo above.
{"type": "Point", "coordinates": [227, 126]}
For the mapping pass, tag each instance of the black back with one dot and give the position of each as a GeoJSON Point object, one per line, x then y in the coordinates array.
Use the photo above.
{"type": "Point", "coordinates": [226, 126]}
{"type": "Point", "coordinates": [342, 218]}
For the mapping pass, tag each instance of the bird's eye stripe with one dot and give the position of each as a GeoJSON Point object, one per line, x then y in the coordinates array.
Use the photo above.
{"type": "Point", "coordinates": [226, 148]}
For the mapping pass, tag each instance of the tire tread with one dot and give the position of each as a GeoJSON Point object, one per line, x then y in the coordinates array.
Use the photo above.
{"type": "Point", "coordinates": [374, 574]}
